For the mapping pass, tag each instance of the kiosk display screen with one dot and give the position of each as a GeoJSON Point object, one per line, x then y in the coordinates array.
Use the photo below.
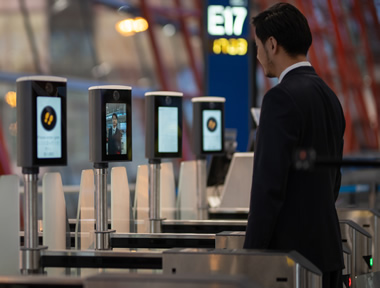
{"type": "Point", "coordinates": [116, 129]}
{"type": "Point", "coordinates": [49, 127]}
{"type": "Point", "coordinates": [167, 129]}
{"type": "Point", "coordinates": [110, 123]}
{"type": "Point", "coordinates": [212, 130]}
{"type": "Point", "coordinates": [163, 125]}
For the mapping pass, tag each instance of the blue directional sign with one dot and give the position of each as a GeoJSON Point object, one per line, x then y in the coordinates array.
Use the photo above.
{"type": "Point", "coordinates": [228, 62]}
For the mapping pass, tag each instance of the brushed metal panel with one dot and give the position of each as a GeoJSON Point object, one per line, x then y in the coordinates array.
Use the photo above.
{"type": "Point", "coordinates": [268, 268]}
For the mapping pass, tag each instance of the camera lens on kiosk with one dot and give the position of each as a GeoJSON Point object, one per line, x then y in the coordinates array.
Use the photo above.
{"type": "Point", "coordinates": [49, 88]}
{"type": "Point", "coordinates": [116, 95]}
{"type": "Point", "coordinates": [168, 100]}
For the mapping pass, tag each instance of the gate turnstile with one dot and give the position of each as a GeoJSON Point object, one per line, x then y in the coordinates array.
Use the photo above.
{"type": "Point", "coordinates": [235, 240]}
{"type": "Point", "coordinates": [225, 240]}
{"type": "Point", "coordinates": [369, 220]}
{"type": "Point", "coordinates": [358, 241]}
{"type": "Point", "coordinates": [269, 269]}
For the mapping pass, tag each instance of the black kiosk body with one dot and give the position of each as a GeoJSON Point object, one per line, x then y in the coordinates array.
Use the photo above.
{"type": "Point", "coordinates": [110, 112]}
{"type": "Point", "coordinates": [41, 141]}
{"type": "Point", "coordinates": [208, 139]}
{"type": "Point", "coordinates": [163, 126]}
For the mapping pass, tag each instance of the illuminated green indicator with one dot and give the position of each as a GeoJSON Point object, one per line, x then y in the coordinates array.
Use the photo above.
{"type": "Point", "coordinates": [371, 262]}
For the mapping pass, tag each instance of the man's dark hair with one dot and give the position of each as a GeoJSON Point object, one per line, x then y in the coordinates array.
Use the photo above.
{"type": "Point", "coordinates": [287, 25]}
{"type": "Point", "coordinates": [114, 114]}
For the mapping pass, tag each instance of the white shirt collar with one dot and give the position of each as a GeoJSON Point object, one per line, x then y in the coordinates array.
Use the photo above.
{"type": "Point", "coordinates": [291, 67]}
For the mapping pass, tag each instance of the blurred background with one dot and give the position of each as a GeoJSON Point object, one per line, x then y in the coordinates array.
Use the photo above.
{"type": "Point", "coordinates": [165, 45]}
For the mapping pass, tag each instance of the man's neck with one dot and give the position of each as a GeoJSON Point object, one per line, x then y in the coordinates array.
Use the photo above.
{"type": "Point", "coordinates": [287, 62]}
{"type": "Point", "coordinates": [291, 67]}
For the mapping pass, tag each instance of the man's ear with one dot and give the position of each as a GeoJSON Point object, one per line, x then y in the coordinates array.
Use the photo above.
{"type": "Point", "coordinates": [272, 44]}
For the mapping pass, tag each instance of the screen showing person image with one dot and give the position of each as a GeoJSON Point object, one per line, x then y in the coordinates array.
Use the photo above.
{"type": "Point", "coordinates": [49, 127]}
{"type": "Point", "coordinates": [212, 130]}
{"type": "Point", "coordinates": [116, 126]}
{"type": "Point", "coordinates": [167, 129]}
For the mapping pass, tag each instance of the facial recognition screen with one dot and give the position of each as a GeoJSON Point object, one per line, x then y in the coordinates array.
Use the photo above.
{"type": "Point", "coordinates": [116, 126]}
{"type": "Point", "coordinates": [167, 129]}
{"type": "Point", "coordinates": [49, 127]}
{"type": "Point", "coordinates": [212, 130]}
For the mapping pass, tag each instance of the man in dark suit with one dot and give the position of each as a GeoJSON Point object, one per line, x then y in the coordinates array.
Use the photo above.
{"type": "Point", "coordinates": [114, 137]}
{"type": "Point", "coordinates": [292, 209]}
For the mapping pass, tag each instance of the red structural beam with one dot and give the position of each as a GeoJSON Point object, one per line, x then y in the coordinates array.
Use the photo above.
{"type": "Point", "coordinates": [325, 70]}
{"type": "Point", "coordinates": [373, 12]}
{"type": "Point", "coordinates": [312, 53]}
{"type": "Point", "coordinates": [159, 66]}
{"type": "Point", "coordinates": [357, 78]}
{"type": "Point", "coordinates": [199, 7]}
{"type": "Point", "coordinates": [5, 166]}
{"type": "Point", "coordinates": [349, 75]}
{"type": "Point", "coordinates": [186, 35]}
{"type": "Point", "coordinates": [360, 12]}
